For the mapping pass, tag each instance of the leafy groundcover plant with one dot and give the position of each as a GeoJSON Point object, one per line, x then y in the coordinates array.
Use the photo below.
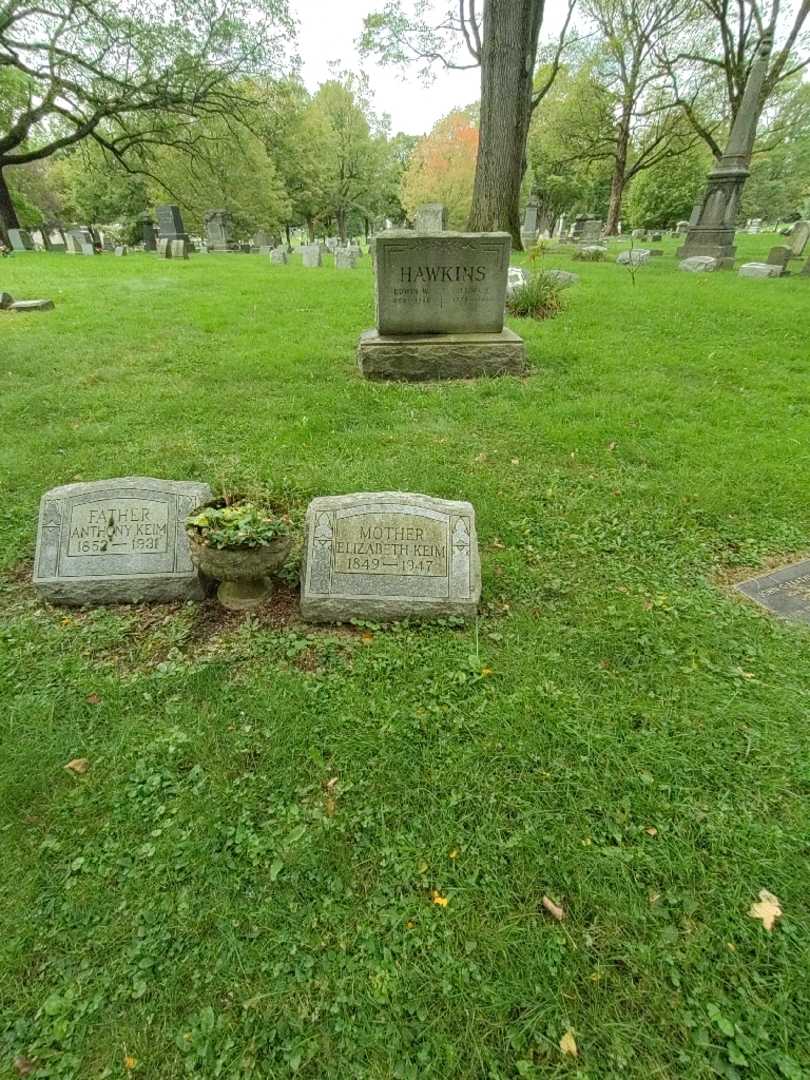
{"type": "Point", "coordinates": [236, 524]}
{"type": "Point", "coordinates": [537, 298]}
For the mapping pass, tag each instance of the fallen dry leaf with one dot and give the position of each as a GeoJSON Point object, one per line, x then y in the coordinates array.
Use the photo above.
{"type": "Point", "coordinates": [553, 909]}
{"type": "Point", "coordinates": [768, 909]}
{"type": "Point", "coordinates": [23, 1066]}
{"type": "Point", "coordinates": [568, 1044]}
{"type": "Point", "coordinates": [79, 766]}
{"type": "Point", "coordinates": [93, 699]}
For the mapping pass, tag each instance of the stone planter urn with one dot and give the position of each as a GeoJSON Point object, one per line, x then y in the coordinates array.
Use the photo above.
{"type": "Point", "coordinates": [243, 573]}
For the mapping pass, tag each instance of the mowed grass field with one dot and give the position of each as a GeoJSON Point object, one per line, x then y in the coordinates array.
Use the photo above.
{"type": "Point", "coordinates": [323, 852]}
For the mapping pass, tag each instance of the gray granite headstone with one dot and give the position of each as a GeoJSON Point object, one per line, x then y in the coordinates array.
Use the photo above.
{"type": "Point", "coordinates": [759, 270]}
{"type": "Point", "coordinates": [389, 555]}
{"type": "Point", "coordinates": [164, 248]}
{"type": "Point", "coordinates": [20, 240]}
{"type": "Point", "coordinates": [122, 249]}
{"type": "Point", "coordinates": [634, 257]}
{"type": "Point", "coordinates": [799, 236]}
{"type": "Point", "coordinates": [432, 217]}
{"type": "Point", "coordinates": [117, 541]}
{"type": "Point", "coordinates": [784, 592]}
{"type": "Point", "coordinates": [778, 256]}
{"type": "Point", "coordinates": [170, 221]}
{"type": "Point", "coordinates": [698, 264]}
{"type": "Point", "coordinates": [279, 256]}
{"type": "Point", "coordinates": [346, 258]}
{"type": "Point", "coordinates": [180, 248]}
{"type": "Point", "coordinates": [312, 255]}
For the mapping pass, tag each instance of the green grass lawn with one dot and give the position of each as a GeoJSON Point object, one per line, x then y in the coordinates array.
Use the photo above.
{"type": "Point", "coordinates": [244, 882]}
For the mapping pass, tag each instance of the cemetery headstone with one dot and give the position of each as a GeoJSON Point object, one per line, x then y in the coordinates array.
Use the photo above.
{"type": "Point", "coordinates": [798, 239]}
{"type": "Point", "coordinates": [262, 238]}
{"type": "Point", "coordinates": [779, 256]}
{"type": "Point", "coordinates": [389, 555]}
{"type": "Point", "coordinates": [71, 244]}
{"type": "Point", "coordinates": [31, 305]}
{"type": "Point", "coordinates": [591, 231]}
{"type": "Point", "coordinates": [117, 541]}
{"type": "Point", "coordinates": [759, 270]}
{"type": "Point", "coordinates": [515, 278]}
{"type": "Point", "coordinates": [279, 256]}
{"type": "Point", "coordinates": [312, 255]}
{"type": "Point", "coordinates": [563, 278]}
{"type": "Point", "coordinates": [682, 228]}
{"type": "Point", "coordinates": [170, 221]}
{"type": "Point", "coordinates": [345, 258]}
{"type": "Point", "coordinates": [805, 270]}
{"type": "Point", "coordinates": [180, 248]}
{"type": "Point", "coordinates": [634, 257]}
{"type": "Point", "coordinates": [20, 240]}
{"type": "Point", "coordinates": [56, 239]}
{"type": "Point", "coordinates": [698, 264]}
{"type": "Point", "coordinates": [164, 248]}
{"type": "Point", "coordinates": [431, 217]}
{"type": "Point", "coordinates": [440, 301]}
{"type": "Point", "coordinates": [528, 230]}
{"type": "Point", "coordinates": [148, 232]}
{"type": "Point", "coordinates": [784, 592]}
{"type": "Point", "coordinates": [122, 249]}
{"type": "Point", "coordinates": [755, 226]}
{"type": "Point", "coordinates": [218, 230]}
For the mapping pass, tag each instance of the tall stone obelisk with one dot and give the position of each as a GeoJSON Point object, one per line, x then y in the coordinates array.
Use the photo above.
{"type": "Point", "coordinates": [713, 232]}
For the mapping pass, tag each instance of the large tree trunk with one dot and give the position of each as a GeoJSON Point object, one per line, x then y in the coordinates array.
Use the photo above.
{"type": "Point", "coordinates": [8, 215]}
{"type": "Point", "coordinates": [619, 180]}
{"type": "Point", "coordinates": [508, 50]}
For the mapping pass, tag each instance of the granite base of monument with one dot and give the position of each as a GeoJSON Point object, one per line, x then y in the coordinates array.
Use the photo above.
{"type": "Point", "coordinates": [389, 555]}
{"type": "Point", "coordinates": [420, 358]}
{"type": "Point", "coordinates": [117, 541]}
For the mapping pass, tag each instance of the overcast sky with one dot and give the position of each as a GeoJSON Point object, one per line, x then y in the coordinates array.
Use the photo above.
{"type": "Point", "coordinates": [328, 30]}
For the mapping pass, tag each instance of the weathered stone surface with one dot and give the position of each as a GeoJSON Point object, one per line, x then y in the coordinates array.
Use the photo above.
{"type": "Point", "coordinates": [32, 305]}
{"type": "Point", "coordinates": [389, 555]}
{"type": "Point", "coordinates": [441, 283]}
{"type": "Point", "coordinates": [415, 358]}
{"type": "Point", "coordinates": [122, 249]}
{"type": "Point", "coordinates": [564, 278]}
{"type": "Point", "coordinates": [6, 300]}
{"type": "Point", "coordinates": [698, 264]}
{"type": "Point", "coordinates": [20, 240]}
{"type": "Point", "coordinates": [799, 236]}
{"type": "Point", "coordinates": [784, 592]}
{"type": "Point", "coordinates": [164, 248]}
{"type": "Point", "coordinates": [279, 256]}
{"type": "Point", "coordinates": [170, 221]}
{"type": "Point", "coordinates": [218, 226]}
{"type": "Point", "coordinates": [180, 248]}
{"type": "Point", "coordinates": [117, 541]}
{"type": "Point", "coordinates": [312, 255]}
{"type": "Point", "coordinates": [634, 257]}
{"type": "Point", "coordinates": [346, 258]}
{"type": "Point", "coordinates": [516, 277]}
{"type": "Point", "coordinates": [759, 270]}
{"type": "Point", "coordinates": [778, 256]}
{"type": "Point", "coordinates": [431, 217]}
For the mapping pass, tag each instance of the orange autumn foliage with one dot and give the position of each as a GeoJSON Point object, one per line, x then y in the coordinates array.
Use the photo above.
{"type": "Point", "coordinates": [442, 169]}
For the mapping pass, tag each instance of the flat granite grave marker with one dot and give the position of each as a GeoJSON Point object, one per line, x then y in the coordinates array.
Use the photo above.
{"type": "Point", "coordinates": [440, 308]}
{"type": "Point", "coordinates": [784, 592]}
{"type": "Point", "coordinates": [389, 555]}
{"type": "Point", "coordinates": [117, 541]}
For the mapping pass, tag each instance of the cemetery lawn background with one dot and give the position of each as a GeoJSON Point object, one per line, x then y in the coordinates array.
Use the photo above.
{"type": "Point", "coordinates": [323, 853]}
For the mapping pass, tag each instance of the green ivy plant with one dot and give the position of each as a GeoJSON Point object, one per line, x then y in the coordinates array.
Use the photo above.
{"type": "Point", "coordinates": [236, 525]}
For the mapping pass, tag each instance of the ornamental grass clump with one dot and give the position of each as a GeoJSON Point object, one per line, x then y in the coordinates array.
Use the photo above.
{"type": "Point", "coordinates": [238, 524]}
{"type": "Point", "coordinates": [537, 298]}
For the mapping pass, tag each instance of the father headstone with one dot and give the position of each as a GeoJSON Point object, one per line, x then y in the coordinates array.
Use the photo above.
{"type": "Point", "coordinates": [784, 592]}
{"type": "Point", "coordinates": [798, 238]}
{"type": "Point", "coordinates": [20, 240]}
{"type": "Point", "coordinates": [389, 555]}
{"type": "Point", "coordinates": [440, 308]}
{"type": "Point", "coordinates": [117, 541]}
{"type": "Point", "coordinates": [432, 217]}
